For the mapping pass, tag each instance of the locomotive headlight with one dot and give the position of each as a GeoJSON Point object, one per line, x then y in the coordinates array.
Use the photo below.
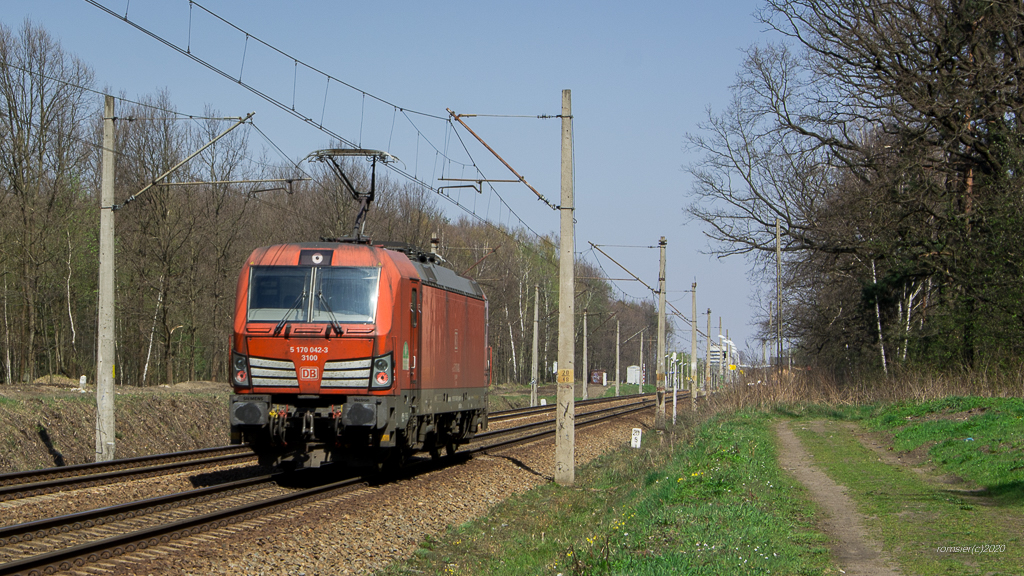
{"type": "Point", "coordinates": [381, 374]}
{"type": "Point", "coordinates": [239, 369]}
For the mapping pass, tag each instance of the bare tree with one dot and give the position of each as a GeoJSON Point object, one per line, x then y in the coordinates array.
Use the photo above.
{"type": "Point", "coordinates": [886, 138]}
{"type": "Point", "coordinates": [43, 96]}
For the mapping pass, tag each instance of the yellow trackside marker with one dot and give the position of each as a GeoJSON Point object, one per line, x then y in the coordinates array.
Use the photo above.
{"type": "Point", "coordinates": [385, 437]}
{"type": "Point", "coordinates": [565, 377]}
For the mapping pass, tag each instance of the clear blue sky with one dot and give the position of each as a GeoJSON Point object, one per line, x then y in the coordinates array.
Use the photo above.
{"type": "Point", "coordinates": [641, 74]}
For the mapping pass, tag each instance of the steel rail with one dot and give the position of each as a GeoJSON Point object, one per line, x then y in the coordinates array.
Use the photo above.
{"type": "Point", "coordinates": [28, 476]}
{"type": "Point", "coordinates": [615, 413]}
{"type": "Point", "coordinates": [90, 552]}
{"type": "Point", "coordinates": [529, 411]}
{"type": "Point", "coordinates": [14, 491]}
{"type": "Point", "coordinates": [38, 529]}
{"type": "Point", "coordinates": [542, 423]}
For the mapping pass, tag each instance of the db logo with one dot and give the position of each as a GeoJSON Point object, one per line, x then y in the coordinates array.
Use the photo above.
{"type": "Point", "coordinates": [309, 373]}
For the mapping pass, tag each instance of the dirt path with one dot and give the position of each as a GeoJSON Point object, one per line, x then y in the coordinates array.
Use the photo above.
{"type": "Point", "coordinates": [852, 548]}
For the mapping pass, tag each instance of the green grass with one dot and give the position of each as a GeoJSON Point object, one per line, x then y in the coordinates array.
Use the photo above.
{"type": "Point", "coordinates": [509, 396]}
{"type": "Point", "coordinates": [978, 439]}
{"type": "Point", "coordinates": [838, 412]}
{"type": "Point", "coordinates": [718, 505]}
{"type": "Point", "coordinates": [9, 402]}
{"type": "Point", "coordinates": [624, 390]}
{"type": "Point", "coordinates": [915, 517]}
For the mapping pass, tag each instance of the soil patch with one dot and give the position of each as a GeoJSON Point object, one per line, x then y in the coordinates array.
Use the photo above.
{"type": "Point", "coordinates": [43, 425]}
{"type": "Point", "coordinates": [954, 416]}
{"type": "Point", "coordinates": [852, 548]}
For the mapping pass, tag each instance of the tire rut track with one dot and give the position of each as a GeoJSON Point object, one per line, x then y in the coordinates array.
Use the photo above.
{"type": "Point", "coordinates": [853, 548]}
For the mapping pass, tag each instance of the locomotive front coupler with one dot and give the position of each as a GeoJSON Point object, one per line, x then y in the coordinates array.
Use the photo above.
{"type": "Point", "coordinates": [307, 424]}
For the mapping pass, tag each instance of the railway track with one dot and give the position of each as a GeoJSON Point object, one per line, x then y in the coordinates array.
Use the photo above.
{"type": "Point", "coordinates": [38, 482]}
{"type": "Point", "coordinates": [534, 410]}
{"type": "Point", "coordinates": [28, 539]}
{"type": "Point", "coordinates": [17, 485]}
{"type": "Point", "coordinates": [71, 542]}
{"type": "Point", "coordinates": [491, 440]}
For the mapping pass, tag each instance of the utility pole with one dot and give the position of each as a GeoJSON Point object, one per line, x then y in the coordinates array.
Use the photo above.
{"type": "Point", "coordinates": [707, 361]}
{"type": "Point", "coordinates": [105, 429]}
{"type": "Point", "coordinates": [535, 370]}
{"type": "Point", "coordinates": [693, 349]}
{"type": "Point", "coordinates": [659, 378]}
{"type": "Point", "coordinates": [586, 364]}
{"type": "Point", "coordinates": [676, 365]}
{"type": "Point", "coordinates": [764, 354]}
{"type": "Point", "coordinates": [721, 355]}
{"type": "Point", "coordinates": [565, 417]}
{"type": "Point", "coordinates": [778, 291]}
{"type": "Point", "coordinates": [770, 375]}
{"type": "Point", "coordinates": [728, 357]}
{"type": "Point", "coordinates": [617, 358]}
{"type": "Point", "coordinates": [643, 371]}
{"type": "Point", "coordinates": [105, 347]}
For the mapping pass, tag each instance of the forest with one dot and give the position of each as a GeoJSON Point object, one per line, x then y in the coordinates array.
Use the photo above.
{"type": "Point", "coordinates": [180, 245]}
{"type": "Point", "coordinates": [885, 139]}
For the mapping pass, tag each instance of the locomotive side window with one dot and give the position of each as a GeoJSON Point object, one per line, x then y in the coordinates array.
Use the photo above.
{"type": "Point", "coordinates": [413, 309]}
{"type": "Point", "coordinates": [276, 292]}
{"type": "Point", "coordinates": [345, 294]}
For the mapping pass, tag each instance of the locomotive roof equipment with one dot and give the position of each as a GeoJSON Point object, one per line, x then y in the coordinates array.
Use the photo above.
{"type": "Point", "coordinates": [330, 156]}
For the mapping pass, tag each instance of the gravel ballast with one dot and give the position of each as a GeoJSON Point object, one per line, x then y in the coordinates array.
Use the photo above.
{"type": "Point", "coordinates": [361, 532]}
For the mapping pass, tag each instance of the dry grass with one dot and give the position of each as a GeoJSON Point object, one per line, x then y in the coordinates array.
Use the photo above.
{"type": "Point", "coordinates": [809, 387]}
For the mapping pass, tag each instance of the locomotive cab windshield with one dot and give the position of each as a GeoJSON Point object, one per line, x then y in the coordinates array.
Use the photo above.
{"type": "Point", "coordinates": [312, 294]}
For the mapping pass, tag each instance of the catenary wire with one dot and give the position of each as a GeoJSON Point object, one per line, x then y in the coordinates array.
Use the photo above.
{"type": "Point", "coordinates": [295, 113]}
{"type": "Point", "coordinates": [181, 115]}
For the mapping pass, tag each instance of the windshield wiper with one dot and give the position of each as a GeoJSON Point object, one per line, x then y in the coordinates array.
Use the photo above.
{"type": "Point", "coordinates": [334, 320]}
{"type": "Point", "coordinates": [284, 319]}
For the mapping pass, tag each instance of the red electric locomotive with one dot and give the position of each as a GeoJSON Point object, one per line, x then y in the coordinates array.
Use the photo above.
{"type": "Point", "coordinates": [355, 352]}
{"type": "Point", "coordinates": [349, 352]}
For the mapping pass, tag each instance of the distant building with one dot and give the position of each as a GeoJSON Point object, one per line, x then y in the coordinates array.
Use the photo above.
{"type": "Point", "coordinates": [727, 347]}
{"type": "Point", "coordinates": [632, 375]}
